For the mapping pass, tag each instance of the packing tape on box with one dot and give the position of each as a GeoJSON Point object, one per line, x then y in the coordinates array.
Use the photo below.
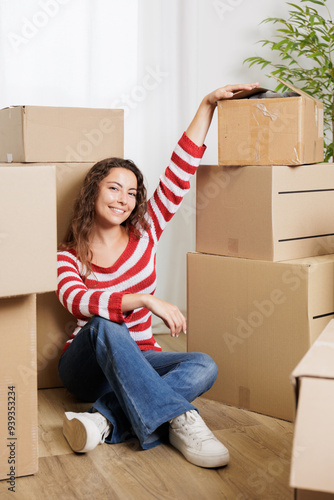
{"type": "Point", "coordinates": [233, 246]}
{"type": "Point", "coordinates": [259, 136]}
{"type": "Point", "coordinates": [323, 343]}
{"type": "Point", "coordinates": [319, 116]}
{"type": "Point", "coordinates": [265, 112]}
{"type": "Point", "coordinates": [244, 397]}
{"type": "Point", "coordinates": [297, 157]}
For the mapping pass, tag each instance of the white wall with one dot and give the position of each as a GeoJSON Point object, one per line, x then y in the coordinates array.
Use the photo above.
{"type": "Point", "coordinates": [204, 48]}
{"type": "Point", "coordinates": [156, 59]}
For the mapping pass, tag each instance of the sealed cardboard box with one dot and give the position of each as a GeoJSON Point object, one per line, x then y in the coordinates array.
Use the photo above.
{"type": "Point", "coordinates": [257, 319]}
{"type": "Point", "coordinates": [69, 177]}
{"type": "Point", "coordinates": [54, 323]}
{"type": "Point", "coordinates": [313, 452]}
{"type": "Point", "coordinates": [28, 238]}
{"type": "Point", "coordinates": [54, 326]}
{"type": "Point", "coordinates": [270, 131]}
{"type": "Point", "coordinates": [56, 134]}
{"type": "Point", "coordinates": [18, 389]}
{"type": "Point", "coordinates": [266, 213]}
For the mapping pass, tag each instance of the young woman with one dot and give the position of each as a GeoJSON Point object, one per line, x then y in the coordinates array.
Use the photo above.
{"type": "Point", "coordinates": [107, 279]}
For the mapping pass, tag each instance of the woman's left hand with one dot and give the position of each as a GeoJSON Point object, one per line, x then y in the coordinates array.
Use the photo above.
{"type": "Point", "coordinates": [228, 91]}
{"type": "Point", "coordinates": [201, 122]}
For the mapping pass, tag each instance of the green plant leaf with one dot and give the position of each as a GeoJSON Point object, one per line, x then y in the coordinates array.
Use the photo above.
{"type": "Point", "coordinates": [304, 43]}
{"type": "Point", "coordinates": [319, 2]}
{"type": "Point", "coordinates": [295, 6]}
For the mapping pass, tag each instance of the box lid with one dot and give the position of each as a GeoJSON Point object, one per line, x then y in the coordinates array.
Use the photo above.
{"type": "Point", "coordinates": [247, 93]}
{"type": "Point", "coordinates": [313, 451]}
{"type": "Point", "coordinates": [319, 360]}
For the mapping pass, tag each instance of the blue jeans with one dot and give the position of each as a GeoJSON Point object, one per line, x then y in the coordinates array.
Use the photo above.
{"type": "Point", "coordinates": [137, 391]}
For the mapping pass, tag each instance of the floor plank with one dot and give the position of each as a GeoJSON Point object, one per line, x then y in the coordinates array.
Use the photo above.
{"type": "Point", "coordinates": [260, 450]}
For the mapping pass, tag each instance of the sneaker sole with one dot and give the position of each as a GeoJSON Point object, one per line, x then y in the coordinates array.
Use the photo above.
{"type": "Point", "coordinates": [75, 434]}
{"type": "Point", "coordinates": [198, 458]}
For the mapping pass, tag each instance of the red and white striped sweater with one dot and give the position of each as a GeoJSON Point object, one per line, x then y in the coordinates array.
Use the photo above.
{"type": "Point", "coordinates": [135, 270]}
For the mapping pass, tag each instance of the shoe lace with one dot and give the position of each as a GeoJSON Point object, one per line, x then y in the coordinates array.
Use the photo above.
{"type": "Point", "coordinates": [197, 427]}
{"type": "Point", "coordinates": [103, 425]}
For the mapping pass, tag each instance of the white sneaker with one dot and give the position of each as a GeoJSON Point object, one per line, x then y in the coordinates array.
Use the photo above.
{"type": "Point", "coordinates": [190, 435]}
{"type": "Point", "coordinates": [84, 431]}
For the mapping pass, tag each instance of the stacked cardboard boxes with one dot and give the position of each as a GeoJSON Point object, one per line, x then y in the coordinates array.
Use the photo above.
{"type": "Point", "coordinates": [28, 253]}
{"type": "Point", "coordinates": [313, 454]}
{"type": "Point", "coordinates": [260, 285]}
{"type": "Point", "coordinates": [45, 153]}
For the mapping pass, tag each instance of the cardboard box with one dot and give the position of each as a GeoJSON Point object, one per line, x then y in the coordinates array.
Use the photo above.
{"type": "Point", "coordinates": [312, 495]}
{"type": "Point", "coordinates": [69, 178]}
{"type": "Point", "coordinates": [55, 134]}
{"type": "Point", "coordinates": [257, 319]}
{"type": "Point", "coordinates": [272, 131]}
{"type": "Point", "coordinates": [54, 323]}
{"type": "Point", "coordinates": [18, 388]}
{"type": "Point", "coordinates": [28, 239]}
{"type": "Point", "coordinates": [54, 326]}
{"type": "Point", "coordinates": [265, 213]}
{"type": "Point", "coordinates": [313, 451]}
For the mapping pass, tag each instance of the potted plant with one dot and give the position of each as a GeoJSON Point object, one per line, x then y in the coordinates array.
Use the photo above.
{"type": "Point", "coordinates": [305, 44]}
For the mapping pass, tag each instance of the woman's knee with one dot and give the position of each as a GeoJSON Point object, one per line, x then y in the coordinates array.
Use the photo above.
{"type": "Point", "coordinates": [108, 333]}
{"type": "Point", "coordinates": [102, 326]}
{"type": "Point", "coordinates": [209, 366]}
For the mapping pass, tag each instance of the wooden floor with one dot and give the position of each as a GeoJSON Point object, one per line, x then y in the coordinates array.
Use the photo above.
{"type": "Point", "coordinates": [260, 449]}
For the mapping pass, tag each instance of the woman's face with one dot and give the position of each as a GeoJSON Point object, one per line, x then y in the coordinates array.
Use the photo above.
{"type": "Point", "coordinates": [116, 198]}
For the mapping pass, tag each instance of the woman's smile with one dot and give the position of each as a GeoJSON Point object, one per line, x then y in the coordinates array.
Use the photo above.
{"type": "Point", "coordinates": [117, 197]}
{"type": "Point", "coordinates": [117, 210]}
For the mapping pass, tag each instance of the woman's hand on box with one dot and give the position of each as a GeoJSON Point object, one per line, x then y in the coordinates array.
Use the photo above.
{"type": "Point", "coordinates": [201, 122]}
{"type": "Point", "coordinates": [228, 91]}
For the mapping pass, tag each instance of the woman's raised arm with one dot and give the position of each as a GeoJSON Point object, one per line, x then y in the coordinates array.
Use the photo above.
{"type": "Point", "coordinates": [201, 122]}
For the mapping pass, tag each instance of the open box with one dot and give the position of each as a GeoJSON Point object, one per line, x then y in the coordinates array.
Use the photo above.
{"type": "Point", "coordinates": [273, 131]}
{"type": "Point", "coordinates": [313, 450]}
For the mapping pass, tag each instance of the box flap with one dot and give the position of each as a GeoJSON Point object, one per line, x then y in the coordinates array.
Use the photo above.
{"type": "Point", "coordinates": [319, 360]}
{"type": "Point", "coordinates": [12, 106]}
{"type": "Point", "coordinates": [295, 89]}
{"type": "Point", "coordinates": [241, 94]}
{"type": "Point", "coordinates": [313, 451]}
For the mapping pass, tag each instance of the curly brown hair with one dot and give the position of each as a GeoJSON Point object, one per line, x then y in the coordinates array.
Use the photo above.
{"type": "Point", "coordinates": [82, 221]}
